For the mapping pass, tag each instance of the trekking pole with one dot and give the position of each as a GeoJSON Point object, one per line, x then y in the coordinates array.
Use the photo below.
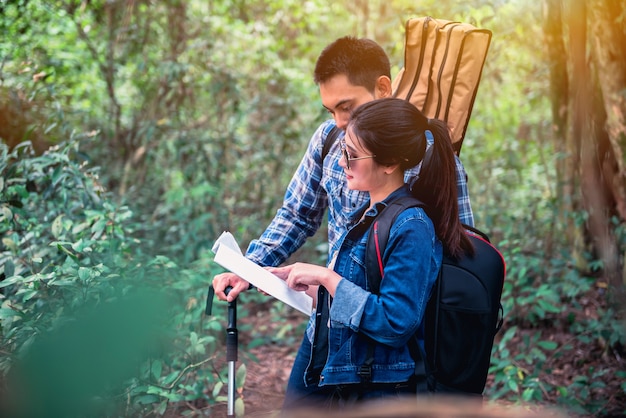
{"type": "Point", "coordinates": [231, 352]}
{"type": "Point", "coordinates": [231, 345]}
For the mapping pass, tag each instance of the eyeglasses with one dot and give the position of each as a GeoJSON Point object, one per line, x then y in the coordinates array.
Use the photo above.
{"type": "Point", "coordinates": [347, 156]}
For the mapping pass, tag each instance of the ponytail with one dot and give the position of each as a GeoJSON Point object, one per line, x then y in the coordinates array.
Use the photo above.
{"type": "Point", "coordinates": [436, 186]}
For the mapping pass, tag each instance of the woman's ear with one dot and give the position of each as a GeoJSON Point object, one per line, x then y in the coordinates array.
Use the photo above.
{"type": "Point", "coordinates": [391, 168]}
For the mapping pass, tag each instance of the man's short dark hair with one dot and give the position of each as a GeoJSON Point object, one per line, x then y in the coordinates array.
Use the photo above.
{"type": "Point", "coordinates": [362, 60]}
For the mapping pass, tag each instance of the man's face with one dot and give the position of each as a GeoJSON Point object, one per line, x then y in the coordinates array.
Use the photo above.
{"type": "Point", "coordinates": [340, 97]}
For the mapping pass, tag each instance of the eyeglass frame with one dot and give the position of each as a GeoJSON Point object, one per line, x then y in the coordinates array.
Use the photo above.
{"type": "Point", "coordinates": [346, 155]}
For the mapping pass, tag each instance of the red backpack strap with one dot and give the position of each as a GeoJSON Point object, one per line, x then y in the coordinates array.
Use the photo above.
{"type": "Point", "coordinates": [378, 237]}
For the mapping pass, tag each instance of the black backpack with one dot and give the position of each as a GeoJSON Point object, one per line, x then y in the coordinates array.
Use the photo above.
{"type": "Point", "coordinates": [463, 314]}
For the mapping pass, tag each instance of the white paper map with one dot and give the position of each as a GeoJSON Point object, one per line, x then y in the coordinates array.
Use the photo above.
{"type": "Point", "coordinates": [229, 256]}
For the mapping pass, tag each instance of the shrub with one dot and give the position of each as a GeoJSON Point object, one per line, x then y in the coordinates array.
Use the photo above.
{"type": "Point", "coordinates": [85, 321]}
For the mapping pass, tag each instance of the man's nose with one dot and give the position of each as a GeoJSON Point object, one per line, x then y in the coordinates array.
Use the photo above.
{"type": "Point", "coordinates": [341, 122]}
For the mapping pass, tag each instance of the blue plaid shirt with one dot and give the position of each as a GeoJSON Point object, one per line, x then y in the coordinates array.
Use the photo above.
{"type": "Point", "coordinates": [318, 185]}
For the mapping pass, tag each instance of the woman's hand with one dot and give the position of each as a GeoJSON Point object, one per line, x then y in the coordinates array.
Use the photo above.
{"type": "Point", "coordinates": [302, 276]}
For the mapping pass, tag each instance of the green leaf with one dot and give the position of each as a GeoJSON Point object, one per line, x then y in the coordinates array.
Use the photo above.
{"type": "Point", "coordinates": [548, 345]}
{"type": "Point", "coordinates": [11, 280]}
{"type": "Point", "coordinates": [217, 388]}
{"type": "Point", "coordinates": [80, 227]}
{"type": "Point", "coordinates": [156, 390]}
{"type": "Point", "coordinates": [61, 282]}
{"type": "Point", "coordinates": [82, 245]}
{"type": "Point", "coordinates": [8, 313]}
{"type": "Point", "coordinates": [240, 377]}
{"type": "Point", "coordinates": [147, 399]}
{"type": "Point", "coordinates": [98, 227]}
{"type": "Point", "coordinates": [509, 333]}
{"type": "Point", "coordinates": [240, 408]}
{"type": "Point", "coordinates": [68, 252]}
{"type": "Point", "coordinates": [57, 226]}
{"type": "Point", "coordinates": [174, 397]}
{"type": "Point", "coordinates": [528, 394]}
{"type": "Point", "coordinates": [597, 384]}
{"type": "Point", "coordinates": [10, 244]}
{"type": "Point", "coordinates": [162, 407]}
{"type": "Point", "coordinates": [85, 274]}
{"type": "Point", "coordinates": [8, 269]}
{"type": "Point", "coordinates": [157, 369]}
{"type": "Point", "coordinates": [167, 380]}
{"type": "Point", "coordinates": [5, 213]}
{"type": "Point", "coordinates": [28, 294]}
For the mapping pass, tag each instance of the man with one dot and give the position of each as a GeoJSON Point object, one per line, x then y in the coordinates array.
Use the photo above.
{"type": "Point", "coordinates": [349, 73]}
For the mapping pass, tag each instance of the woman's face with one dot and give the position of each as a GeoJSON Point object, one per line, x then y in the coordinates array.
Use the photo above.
{"type": "Point", "coordinates": [362, 172]}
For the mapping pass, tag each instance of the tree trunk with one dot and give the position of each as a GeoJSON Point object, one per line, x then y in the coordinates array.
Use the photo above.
{"type": "Point", "coordinates": [566, 169]}
{"type": "Point", "coordinates": [589, 110]}
{"type": "Point", "coordinates": [609, 53]}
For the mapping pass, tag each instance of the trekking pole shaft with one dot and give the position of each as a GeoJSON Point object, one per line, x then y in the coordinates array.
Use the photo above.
{"type": "Point", "coordinates": [231, 389]}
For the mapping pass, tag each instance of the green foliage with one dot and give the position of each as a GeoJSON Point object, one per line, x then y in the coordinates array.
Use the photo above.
{"type": "Point", "coordinates": [545, 291]}
{"type": "Point", "coordinates": [518, 377]}
{"type": "Point", "coordinates": [81, 297]}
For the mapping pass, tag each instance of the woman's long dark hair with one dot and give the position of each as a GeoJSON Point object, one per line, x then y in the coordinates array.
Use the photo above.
{"type": "Point", "coordinates": [394, 130]}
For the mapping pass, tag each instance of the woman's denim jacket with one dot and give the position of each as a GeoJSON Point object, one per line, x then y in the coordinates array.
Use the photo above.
{"type": "Point", "coordinates": [411, 261]}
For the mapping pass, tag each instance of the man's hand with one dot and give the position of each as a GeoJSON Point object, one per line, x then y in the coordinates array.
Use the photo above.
{"type": "Point", "coordinates": [222, 281]}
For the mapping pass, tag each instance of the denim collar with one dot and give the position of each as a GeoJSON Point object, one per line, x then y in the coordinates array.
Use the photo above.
{"type": "Point", "coordinates": [379, 206]}
{"type": "Point", "coordinates": [363, 217]}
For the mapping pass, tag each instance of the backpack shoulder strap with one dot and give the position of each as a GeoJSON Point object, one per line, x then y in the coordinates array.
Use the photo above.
{"type": "Point", "coordinates": [478, 232]}
{"type": "Point", "coordinates": [378, 237]}
{"type": "Point", "coordinates": [330, 140]}
{"type": "Point", "coordinates": [374, 249]}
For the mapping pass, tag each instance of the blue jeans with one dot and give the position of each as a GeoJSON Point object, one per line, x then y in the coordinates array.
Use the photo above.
{"type": "Point", "coordinates": [298, 395]}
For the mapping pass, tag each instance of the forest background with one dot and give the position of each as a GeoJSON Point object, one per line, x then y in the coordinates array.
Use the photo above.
{"type": "Point", "coordinates": [135, 132]}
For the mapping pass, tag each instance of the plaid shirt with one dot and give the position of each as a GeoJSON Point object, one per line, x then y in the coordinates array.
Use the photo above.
{"type": "Point", "coordinates": [307, 197]}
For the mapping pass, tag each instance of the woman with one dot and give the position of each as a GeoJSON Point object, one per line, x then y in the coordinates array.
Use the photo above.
{"type": "Point", "coordinates": [383, 138]}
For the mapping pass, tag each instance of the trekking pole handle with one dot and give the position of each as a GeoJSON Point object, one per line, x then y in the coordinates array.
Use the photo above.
{"type": "Point", "coordinates": [208, 309]}
{"type": "Point", "coordinates": [231, 330]}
